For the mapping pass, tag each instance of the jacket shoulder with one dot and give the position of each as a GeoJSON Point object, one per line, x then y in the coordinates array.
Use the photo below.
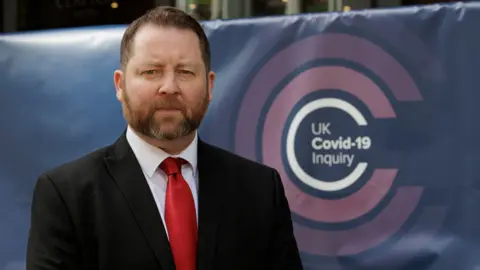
{"type": "Point", "coordinates": [74, 169]}
{"type": "Point", "coordinates": [239, 163]}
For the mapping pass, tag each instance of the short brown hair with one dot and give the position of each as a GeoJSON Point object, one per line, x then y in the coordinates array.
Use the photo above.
{"type": "Point", "coordinates": [164, 16]}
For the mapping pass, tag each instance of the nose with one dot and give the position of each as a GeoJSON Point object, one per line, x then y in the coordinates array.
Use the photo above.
{"type": "Point", "coordinates": [169, 85]}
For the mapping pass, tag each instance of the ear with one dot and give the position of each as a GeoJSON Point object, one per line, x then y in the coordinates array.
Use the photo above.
{"type": "Point", "coordinates": [118, 80]}
{"type": "Point", "coordinates": [211, 83]}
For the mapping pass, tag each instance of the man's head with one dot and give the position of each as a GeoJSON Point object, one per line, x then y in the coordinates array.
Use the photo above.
{"type": "Point", "coordinates": [165, 83]}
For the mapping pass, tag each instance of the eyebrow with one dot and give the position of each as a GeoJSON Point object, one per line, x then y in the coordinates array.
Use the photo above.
{"type": "Point", "coordinates": [189, 64]}
{"type": "Point", "coordinates": [153, 63]}
{"type": "Point", "coordinates": [185, 64]}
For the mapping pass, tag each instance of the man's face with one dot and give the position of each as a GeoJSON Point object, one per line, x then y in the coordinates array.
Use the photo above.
{"type": "Point", "coordinates": [164, 89]}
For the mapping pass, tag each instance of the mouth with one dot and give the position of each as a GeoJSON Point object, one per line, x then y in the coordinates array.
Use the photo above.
{"type": "Point", "coordinates": [168, 109]}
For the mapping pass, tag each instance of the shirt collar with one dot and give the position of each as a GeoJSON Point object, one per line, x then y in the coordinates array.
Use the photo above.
{"type": "Point", "coordinates": [150, 157]}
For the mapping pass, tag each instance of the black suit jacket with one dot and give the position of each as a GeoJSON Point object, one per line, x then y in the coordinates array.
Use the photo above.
{"type": "Point", "coordinates": [98, 212]}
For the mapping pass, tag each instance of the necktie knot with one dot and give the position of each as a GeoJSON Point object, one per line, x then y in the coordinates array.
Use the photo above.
{"type": "Point", "coordinates": [172, 165]}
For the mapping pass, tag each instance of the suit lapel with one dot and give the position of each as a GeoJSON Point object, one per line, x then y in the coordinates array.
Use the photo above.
{"type": "Point", "coordinates": [127, 173]}
{"type": "Point", "coordinates": [212, 187]}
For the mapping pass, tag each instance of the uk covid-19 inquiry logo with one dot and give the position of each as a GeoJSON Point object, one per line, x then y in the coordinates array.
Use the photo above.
{"type": "Point", "coordinates": [322, 122]}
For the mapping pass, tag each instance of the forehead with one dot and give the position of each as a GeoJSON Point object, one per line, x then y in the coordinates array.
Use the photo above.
{"type": "Point", "coordinates": [166, 41]}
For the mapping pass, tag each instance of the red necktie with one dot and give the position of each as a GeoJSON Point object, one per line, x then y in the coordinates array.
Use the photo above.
{"type": "Point", "coordinates": [180, 216]}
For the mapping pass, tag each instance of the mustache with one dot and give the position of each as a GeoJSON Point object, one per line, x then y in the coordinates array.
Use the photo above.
{"type": "Point", "coordinates": [168, 103]}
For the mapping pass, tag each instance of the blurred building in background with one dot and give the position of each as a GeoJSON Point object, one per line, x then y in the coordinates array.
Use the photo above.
{"type": "Point", "coordinates": [26, 15]}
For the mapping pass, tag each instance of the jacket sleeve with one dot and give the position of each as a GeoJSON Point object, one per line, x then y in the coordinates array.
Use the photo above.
{"type": "Point", "coordinates": [285, 254]}
{"type": "Point", "coordinates": [52, 243]}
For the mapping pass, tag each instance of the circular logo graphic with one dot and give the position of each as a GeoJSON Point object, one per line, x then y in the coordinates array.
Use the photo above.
{"type": "Point", "coordinates": [314, 107]}
{"type": "Point", "coordinates": [320, 144]}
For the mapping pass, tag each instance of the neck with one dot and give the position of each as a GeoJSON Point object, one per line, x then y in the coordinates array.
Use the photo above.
{"type": "Point", "coordinates": [172, 147]}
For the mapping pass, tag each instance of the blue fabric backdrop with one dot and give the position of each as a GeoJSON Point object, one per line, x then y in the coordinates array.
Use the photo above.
{"type": "Point", "coordinates": [370, 118]}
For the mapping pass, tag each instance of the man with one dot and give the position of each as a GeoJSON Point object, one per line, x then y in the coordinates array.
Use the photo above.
{"type": "Point", "coordinates": [159, 197]}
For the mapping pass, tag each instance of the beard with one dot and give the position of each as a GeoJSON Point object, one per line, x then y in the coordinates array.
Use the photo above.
{"type": "Point", "coordinates": [145, 120]}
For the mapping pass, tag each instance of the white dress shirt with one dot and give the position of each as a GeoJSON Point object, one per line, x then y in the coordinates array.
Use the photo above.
{"type": "Point", "coordinates": [150, 158]}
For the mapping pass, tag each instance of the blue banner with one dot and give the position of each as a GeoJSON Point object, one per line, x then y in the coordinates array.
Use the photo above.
{"type": "Point", "coordinates": [370, 118]}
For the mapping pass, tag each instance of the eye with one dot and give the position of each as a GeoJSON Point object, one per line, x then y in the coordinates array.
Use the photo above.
{"type": "Point", "coordinates": [149, 72]}
{"type": "Point", "coordinates": [186, 72]}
